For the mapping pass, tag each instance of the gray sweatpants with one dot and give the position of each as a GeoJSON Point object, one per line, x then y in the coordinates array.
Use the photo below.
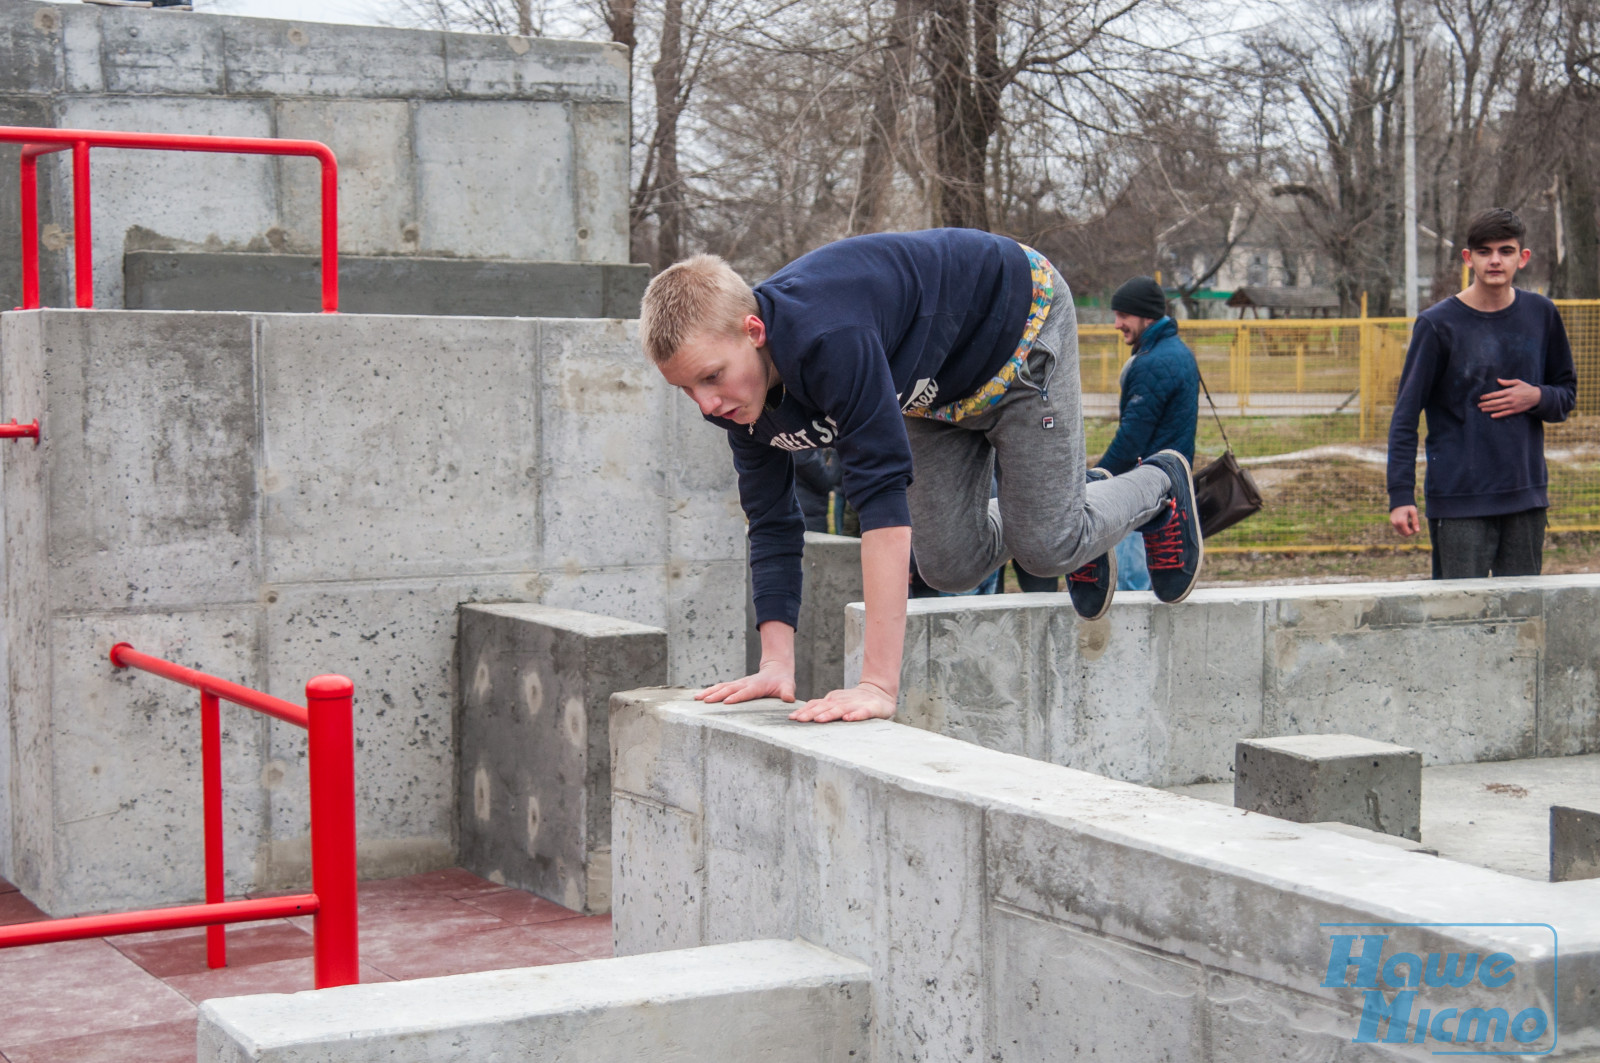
{"type": "Point", "coordinates": [1045, 517]}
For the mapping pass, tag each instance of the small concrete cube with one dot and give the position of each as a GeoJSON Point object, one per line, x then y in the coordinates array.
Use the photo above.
{"type": "Point", "coordinates": [1574, 843]}
{"type": "Point", "coordinates": [1336, 777]}
{"type": "Point", "coordinates": [533, 733]}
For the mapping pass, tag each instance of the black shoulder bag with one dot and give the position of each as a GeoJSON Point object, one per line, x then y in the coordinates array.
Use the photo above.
{"type": "Point", "coordinates": [1224, 492]}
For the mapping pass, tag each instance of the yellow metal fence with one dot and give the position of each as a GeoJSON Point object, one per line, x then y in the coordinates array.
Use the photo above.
{"type": "Point", "coordinates": [1307, 404]}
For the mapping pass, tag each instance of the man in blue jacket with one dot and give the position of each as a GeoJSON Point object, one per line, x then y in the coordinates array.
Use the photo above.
{"type": "Point", "coordinates": [1160, 398]}
{"type": "Point", "coordinates": [1489, 366]}
{"type": "Point", "coordinates": [952, 351]}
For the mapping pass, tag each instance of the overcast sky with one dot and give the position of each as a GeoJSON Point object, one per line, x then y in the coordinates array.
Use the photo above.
{"type": "Point", "coordinates": [358, 12]}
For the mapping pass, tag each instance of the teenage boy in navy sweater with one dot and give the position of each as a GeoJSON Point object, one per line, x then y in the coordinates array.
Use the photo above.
{"type": "Point", "coordinates": [945, 351]}
{"type": "Point", "coordinates": [1489, 366]}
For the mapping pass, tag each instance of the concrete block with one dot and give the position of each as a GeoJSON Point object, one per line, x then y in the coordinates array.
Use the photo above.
{"type": "Point", "coordinates": [706, 523]}
{"type": "Point", "coordinates": [1339, 777]}
{"type": "Point", "coordinates": [658, 876]}
{"type": "Point", "coordinates": [1409, 664]}
{"type": "Point", "coordinates": [153, 464]}
{"type": "Point", "coordinates": [1574, 843]}
{"type": "Point", "coordinates": [496, 67]}
{"type": "Point", "coordinates": [270, 57]}
{"type": "Point", "coordinates": [600, 180]}
{"type": "Point", "coordinates": [831, 573]}
{"type": "Point", "coordinates": [1213, 681]}
{"type": "Point", "coordinates": [161, 53]}
{"type": "Point", "coordinates": [458, 435]}
{"type": "Point", "coordinates": [1569, 684]}
{"type": "Point", "coordinates": [496, 177]}
{"type": "Point", "coordinates": [226, 199]}
{"type": "Point", "coordinates": [981, 665]}
{"type": "Point", "coordinates": [777, 1001]}
{"type": "Point", "coordinates": [377, 187]}
{"type": "Point", "coordinates": [30, 50]}
{"type": "Point", "coordinates": [751, 889]}
{"type": "Point", "coordinates": [82, 66]}
{"type": "Point", "coordinates": [1107, 694]}
{"type": "Point", "coordinates": [391, 284]}
{"type": "Point", "coordinates": [705, 621]}
{"type": "Point", "coordinates": [533, 783]}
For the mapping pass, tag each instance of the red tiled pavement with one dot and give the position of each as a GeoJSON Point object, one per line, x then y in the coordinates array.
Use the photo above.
{"type": "Point", "coordinates": [134, 996]}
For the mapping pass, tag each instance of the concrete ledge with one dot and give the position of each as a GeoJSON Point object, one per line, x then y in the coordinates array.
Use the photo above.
{"type": "Point", "coordinates": [1015, 909]}
{"type": "Point", "coordinates": [776, 1001]}
{"type": "Point", "coordinates": [1460, 670]}
{"type": "Point", "coordinates": [533, 779]}
{"type": "Point", "coordinates": [1343, 778]}
{"type": "Point", "coordinates": [394, 284]}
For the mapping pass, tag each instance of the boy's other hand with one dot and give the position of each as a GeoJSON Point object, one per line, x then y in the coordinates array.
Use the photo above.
{"type": "Point", "coordinates": [862, 702]}
{"type": "Point", "coordinates": [1517, 397]}
{"type": "Point", "coordinates": [773, 681]}
{"type": "Point", "coordinates": [1405, 520]}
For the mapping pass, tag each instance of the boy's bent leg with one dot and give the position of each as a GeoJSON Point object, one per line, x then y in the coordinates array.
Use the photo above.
{"type": "Point", "coordinates": [955, 533]}
{"type": "Point", "coordinates": [1520, 551]}
{"type": "Point", "coordinates": [1053, 521]}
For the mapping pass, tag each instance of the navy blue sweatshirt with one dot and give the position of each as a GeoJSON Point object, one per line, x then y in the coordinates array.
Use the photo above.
{"type": "Point", "coordinates": [861, 330]}
{"type": "Point", "coordinates": [1479, 466]}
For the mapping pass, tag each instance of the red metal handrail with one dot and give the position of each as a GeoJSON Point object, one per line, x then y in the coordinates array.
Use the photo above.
{"type": "Point", "coordinates": [38, 141]}
{"type": "Point", "coordinates": [328, 717]}
{"type": "Point", "coordinates": [20, 431]}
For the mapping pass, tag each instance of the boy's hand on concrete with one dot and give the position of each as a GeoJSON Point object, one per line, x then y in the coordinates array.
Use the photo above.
{"type": "Point", "coordinates": [862, 702]}
{"type": "Point", "coordinates": [773, 681]}
{"type": "Point", "coordinates": [1405, 520]}
{"type": "Point", "coordinates": [1517, 397]}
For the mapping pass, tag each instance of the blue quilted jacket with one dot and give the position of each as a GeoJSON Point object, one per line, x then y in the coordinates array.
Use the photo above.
{"type": "Point", "coordinates": [1160, 400]}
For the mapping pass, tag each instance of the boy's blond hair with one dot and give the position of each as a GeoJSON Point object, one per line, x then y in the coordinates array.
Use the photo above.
{"type": "Point", "coordinates": [699, 294]}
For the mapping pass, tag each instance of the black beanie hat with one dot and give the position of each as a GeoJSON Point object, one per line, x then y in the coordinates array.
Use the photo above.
{"type": "Point", "coordinates": [1141, 297]}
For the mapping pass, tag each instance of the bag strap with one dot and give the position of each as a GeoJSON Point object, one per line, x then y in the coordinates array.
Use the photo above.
{"type": "Point", "coordinates": [1215, 415]}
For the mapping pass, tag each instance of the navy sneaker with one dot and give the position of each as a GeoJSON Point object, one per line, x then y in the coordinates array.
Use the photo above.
{"type": "Point", "coordinates": [1174, 547]}
{"type": "Point", "coordinates": [1093, 585]}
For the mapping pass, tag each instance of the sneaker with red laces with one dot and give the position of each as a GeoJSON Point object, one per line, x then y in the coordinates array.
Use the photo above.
{"type": "Point", "coordinates": [1093, 585]}
{"type": "Point", "coordinates": [1174, 548]}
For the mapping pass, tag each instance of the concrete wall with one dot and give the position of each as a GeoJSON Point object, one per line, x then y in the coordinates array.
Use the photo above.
{"type": "Point", "coordinates": [533, 777]}
{"type": "Point", "coordinates": [449, 144]}
{"type": "Point", "coordinates": [1462, 671]}
{"type": "Point", "coordinates": [273, 496]}
{"type": "Point", "coordinates": [774, 1001]}
{"type": "Point", "coordinates": [387, 284]}
{"type": "Point", "coordinates": [1013, 910]}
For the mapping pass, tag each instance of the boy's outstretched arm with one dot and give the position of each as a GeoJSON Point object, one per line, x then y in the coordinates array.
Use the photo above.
{"type": "Point", "coordinates": [885, 560]}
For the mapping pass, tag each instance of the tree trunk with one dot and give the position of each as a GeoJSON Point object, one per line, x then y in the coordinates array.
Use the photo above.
{"type": "Point", "coordinates": [1577, 275]}
{"type": "Point", "coordinates": [877, 154]}
{"type": "Point", "coordinates": [525, 17]}
{"type": "Point", "coordinates": [961, 142]}
{"type": "Point", "coordinates": [668, 184]}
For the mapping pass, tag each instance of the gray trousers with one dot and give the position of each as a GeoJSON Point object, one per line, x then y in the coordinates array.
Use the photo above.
{"type": "Point", "coordinates": [1475, 547]}
{"type": "Point", "coordinates": [1046, 516]}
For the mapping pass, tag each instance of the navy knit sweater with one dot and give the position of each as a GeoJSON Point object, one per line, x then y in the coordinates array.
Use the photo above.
{"type": "Point", "coordinates": [861, 330]}
{"type": "Point", "coordinates": [1160, 400]}
{"type": "Point", "coordinates": [1479, 466]}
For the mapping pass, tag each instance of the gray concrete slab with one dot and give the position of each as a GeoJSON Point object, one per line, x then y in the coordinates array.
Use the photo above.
{"type": "Point", "coordinates": [775, 1001]}
{"type": "Point", "coordinates": [1004, 902]}
{"type": "Point", "coordinates": [1338, 777]}
{"type": "Point", "coordinates": [1574, 843]}
{"type": "Point", "coordinates": [1461, 671]}
{"type": "Point", "coordinates": [1494, 815]}
{"type": "Point", "coordinates": [533, 778]}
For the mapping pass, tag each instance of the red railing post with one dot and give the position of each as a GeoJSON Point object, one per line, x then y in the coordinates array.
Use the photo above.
{"type": "Point", "coordinates": [82, 246]}
{"type": "Point", "coordinates": [211, 787]}
{"type": "Point", "coordinates": [330, 234]}
{"type": "Point", "coordinates": [30, 230]}
{"type": "Point", "coordinates": [330, 703]}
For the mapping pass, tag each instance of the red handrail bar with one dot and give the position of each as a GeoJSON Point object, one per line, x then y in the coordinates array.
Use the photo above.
{"type": "Point", "coordinates": [49, 931]}
{"type": "Point", "coordinates": [38, 141]}
{"type": "Point", "coordinates": [329, 718]}
{"type": "Point", "coordinates": [20, 431]}
{"type": "Point", "coordinates": [123, 655]}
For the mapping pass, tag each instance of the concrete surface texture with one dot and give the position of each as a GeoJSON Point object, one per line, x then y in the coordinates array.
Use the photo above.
{"type": "Point", "coordinates": [776, 1001]}
{"type": "Point", "coordinates": [533, 776]}
{"type": "Point", "coordinates": [1461, 671]}
{"type": "Point", "coordinates": [1331, 778]}
{"type": "Point", "coordinates": [449, 144]}
{"type": "Point", "coordinates": [382, 284]}
{"type": "Point", "coordinates": [1574, 843]}
{"type": "Point", "coordinates": [1494, 815]}
{"type": "Point", "coordinates": [1012, 909]}
{"type": "Point", "coordinates": [269, 497]}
